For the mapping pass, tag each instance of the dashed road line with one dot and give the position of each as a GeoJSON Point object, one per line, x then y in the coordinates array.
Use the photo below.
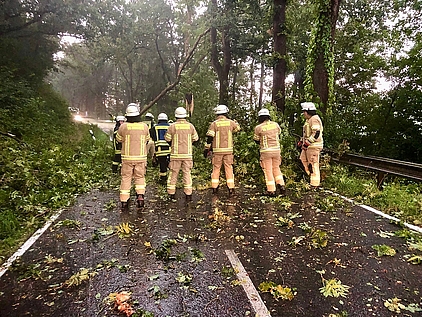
{"type": "Point", "coordinates": [28, 243]}
{"type": "Point", "coordinates": [250, 290]}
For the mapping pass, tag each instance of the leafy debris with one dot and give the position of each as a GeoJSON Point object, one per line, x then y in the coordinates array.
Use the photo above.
{"type": "Point", "coordinates": [277, 291]}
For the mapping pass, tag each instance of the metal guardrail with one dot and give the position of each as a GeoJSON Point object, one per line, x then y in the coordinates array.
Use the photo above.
{"type": "Point", "coordinates": [383, 166]}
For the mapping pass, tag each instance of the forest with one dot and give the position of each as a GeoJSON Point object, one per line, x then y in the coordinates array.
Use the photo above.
{"type": "Point", "coordinates": [358, 60]}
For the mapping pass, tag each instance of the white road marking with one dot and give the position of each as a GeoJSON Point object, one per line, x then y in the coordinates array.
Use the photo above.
{"type": "Point", "coordinates": [250, 290]}
{"type": "Point", "coordinates": [380, 213]}
{"type": "Point", "coordinates": [28, 243]}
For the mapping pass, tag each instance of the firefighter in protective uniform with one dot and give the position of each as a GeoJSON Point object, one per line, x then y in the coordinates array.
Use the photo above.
{"type": "Point", "coordinates": [266, 134]}
{"type": "Point", "coordinates": [117, 160]}
{"type": "Point", "coordinates": [162, 148]}
{"type": "Point", "coordinates": [149, 121]}
{"type": "Point", "coordinates": [311, 143]}
{"type": "Point", "coordinates": [220, 144]}
{"type": "Point", "coordinates": [181, 135]}
{"type": "Point", "coordinates": [134, 136]}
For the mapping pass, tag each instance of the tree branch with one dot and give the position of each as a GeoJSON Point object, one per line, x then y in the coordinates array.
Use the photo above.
{"type": "Point", "coordinates": [179, 74]}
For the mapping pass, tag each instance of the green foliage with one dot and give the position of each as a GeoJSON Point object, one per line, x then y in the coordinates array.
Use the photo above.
{"type": "Point", "coordinates": [397, 198]}
{"type": "Point", "coordinates": [277, 291]}
{"type": "Point", "coordinates": [383, 249]}
{"type": "Point", "coordinates": [50, 160]}
{"type": "Point", "coordinates": [334, 288]}
{"type": "Point", "coordinates": [319, 239]}
{"type": "Point", "coordinates": [320, 47]}
{"type": "Point", "coordinates": [80, 277]}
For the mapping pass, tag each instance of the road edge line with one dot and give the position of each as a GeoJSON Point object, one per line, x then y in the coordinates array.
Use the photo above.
{"type": "Point", "coordinates": [250, 290]}
{"type": "Point", "coordinates": [380, 213]}
{"type": "Point", "coordinates": [29, 243]}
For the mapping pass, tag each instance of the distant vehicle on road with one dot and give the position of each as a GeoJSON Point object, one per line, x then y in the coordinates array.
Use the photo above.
{"type": "Point", "coordinates": [75, 112]}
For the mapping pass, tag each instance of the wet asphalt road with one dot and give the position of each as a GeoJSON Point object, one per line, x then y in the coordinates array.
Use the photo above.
{"type": "Point", "coordinates": [173, 261]}
{"type": "Point", "coordinates": [36, 284]}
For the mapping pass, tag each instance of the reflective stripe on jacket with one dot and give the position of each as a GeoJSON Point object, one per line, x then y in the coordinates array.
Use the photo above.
{"type": "Point", "coordinates": [181, 134]}
{"type": "Point", "coordinates": [117, 145]}
{"type": "Point", "coordinates": [162, 148]}
{"type": "Point", "coordinates": [311, 128]}
{"type": "Point", "coordinates": [267, 133]}
{"type": "Point", "coordinates": [222, 131]}
{"type": "Point", "coordinates": [134, 137]}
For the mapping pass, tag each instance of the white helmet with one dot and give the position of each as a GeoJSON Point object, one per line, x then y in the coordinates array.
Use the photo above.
{"type": "Point", "coordinates": [221, 109]}
{"type": "Point", "coordinates": [149, 115]}
{"type": "Point", "coordinates": [180, 113]}
{"type": "Point", "coordinates": [162, 116]}
{"type": "Point", "coordinates": [132, 110]}
{"type": "Point", "coordinates": [307, 106]}
{"type": "Point", "coordinates": [263, 112]}
{"type": "Point", "coordinates": [120, 118]}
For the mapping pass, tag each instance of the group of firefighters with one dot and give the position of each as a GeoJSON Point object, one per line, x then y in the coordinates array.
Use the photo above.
{"type": "Point", "coordinates": [169, 144]}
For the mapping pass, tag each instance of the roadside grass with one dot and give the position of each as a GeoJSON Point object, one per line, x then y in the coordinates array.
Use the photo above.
{"type": "Point", "coordinates": [397, 197]}
{"type": "Point", "coordinates": [40, 178]}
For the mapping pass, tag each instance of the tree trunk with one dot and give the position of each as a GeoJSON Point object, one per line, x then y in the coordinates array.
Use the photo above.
{"type": "Point", "coordinates": [252, 81]}
{"type": "Point", "coordinates": [261, 82]}
{"type": "Point", "coordinates": [323, 76]}
{"type": "Point", "coordinates": [221, 68]}
{"type": "Point", "coordinates": [280, 67]}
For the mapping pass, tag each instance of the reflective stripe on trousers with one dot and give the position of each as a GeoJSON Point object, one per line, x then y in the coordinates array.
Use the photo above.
{"type": "Point", "coordinates": [311, 156]}
{"type": "Point", "coordinates": [217, 161]}
{"type": "Point", "coordinates": [131, 170]}
{"type": "Point", "coordinates": [270, 163]}
{"type": "Point", "coordinates": [175, 166]}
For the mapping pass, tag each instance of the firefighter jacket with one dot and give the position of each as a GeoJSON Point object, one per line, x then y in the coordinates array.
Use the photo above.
{"type": "Point", "coordinates": [312, 132]}
{"type": "Point", "coordinates": [221, 130]}
{"type": "Point", "coordinates": [162, 148]}
{"type": "Point", "coordinates": [117, 145]}
{"type": "Point", "coordinates": [149, 123]}
{"type": "Point", "coordinates": [267, 134]}
{"type": "Point", "coordinates": [134, 137]}
{"type": "Point", "coordinates": [180, 136]}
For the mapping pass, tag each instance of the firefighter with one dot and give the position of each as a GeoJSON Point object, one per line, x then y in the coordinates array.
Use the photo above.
{"type": "Point", "coordinates": [162, 148]}
{"type": "Point", "coordinates": [134, 136]}
{"type": "Point", "coordinates": [117, 160]}
{"type": "Point", "coordinates": [266, 134]}
{"type": "Point", "coordinates": [311, 143]}
{"type": "Point", "coordinates": [220, 144]}
{"type": "Point", "coordinates": [149, 121]}
{"type": "Point", "coordinates": [181, 135]}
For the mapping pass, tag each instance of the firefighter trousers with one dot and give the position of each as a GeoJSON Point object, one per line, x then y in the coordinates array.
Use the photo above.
{"type": "Point", "coordinates": [270, 163]}
{"type": "Point", "coordinates": [117, 161]}
{"type": "Point", "coordinates": [135, 170]}
{"type": "Point", "coordinates": [217, 161]}
{"type": "Point", "coordinates": [186, 167]}
{"type": "Point", "coordinates": [163, 162]}
{"type": "Point", "coordinates": [310, 161]}
{"type": "Point", "coordinates": [151, 149]}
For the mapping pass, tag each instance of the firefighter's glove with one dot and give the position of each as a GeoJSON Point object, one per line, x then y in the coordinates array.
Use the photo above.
{"type": "Point", "coordinates": [299, 145]}
{"type": "Point", "coordinates": [206, 153]}
{"type": "Point", "coordinates": [305, 145]}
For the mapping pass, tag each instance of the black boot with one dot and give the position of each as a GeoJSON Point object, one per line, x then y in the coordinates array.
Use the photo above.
{"type": "Point", "coordinates": [125, 206]}
{"type": "Point", "coordinates": [172, 196]}
{"type": "Point", "coordinates": [231, 192]}
{"type": "Point", "coordinates": [140, 202]}
{"type": "Point", "coordinates": [215, 191]}
{"type": "Point", "coordinates": [188, 198]}
{"type": "Point", "coordinates": [269, 194]}
{"type": "Point", "coordinates": [281, 190]}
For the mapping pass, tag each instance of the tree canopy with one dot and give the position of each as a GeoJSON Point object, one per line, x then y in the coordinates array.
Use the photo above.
{"type": "Point", "coordinates": [268, 52]}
